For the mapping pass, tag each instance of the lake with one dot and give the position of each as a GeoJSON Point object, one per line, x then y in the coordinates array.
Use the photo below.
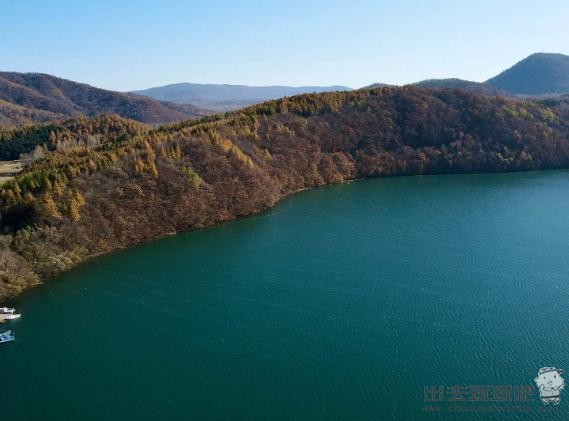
{"type": "Point", "coordinates": [342, 303]}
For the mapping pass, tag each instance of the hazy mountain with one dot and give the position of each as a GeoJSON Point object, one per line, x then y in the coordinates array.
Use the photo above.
{"type": "Point", "coordinates": [228, 97]}
{"type": "Point", "coordinates": [538, 74]}
{"type": "Point", "coordinates": [467, 85]}
{"type": "Point", "coordinates": [36, 97]}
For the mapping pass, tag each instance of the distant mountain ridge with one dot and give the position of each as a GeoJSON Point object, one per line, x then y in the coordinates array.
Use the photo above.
{"type": "Point", "coordinates": [34, 97]}
{"type": "Point", "coordinates": [37, 97]}
{"type": "Point", "coordinates": [538, 74]}
{"type": "Point", "coordinates": [228, 97]}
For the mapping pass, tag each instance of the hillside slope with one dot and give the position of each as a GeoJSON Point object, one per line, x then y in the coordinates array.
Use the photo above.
{"type": "Point", "coordinates": [538, 74]}
{"type": "Point", "coordinates": [130, 184]}
{"type": "Point", "coordinates": [36, 97]}
{"type": "Point", "coordinates": [228, 97]}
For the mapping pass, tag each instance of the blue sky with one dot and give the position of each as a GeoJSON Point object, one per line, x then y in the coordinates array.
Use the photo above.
{"type": "Point", "coordinates": [126, 45]}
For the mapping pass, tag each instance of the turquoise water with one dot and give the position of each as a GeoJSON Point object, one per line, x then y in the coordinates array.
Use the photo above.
{"type": "Point", "coordinates": [340, 303]}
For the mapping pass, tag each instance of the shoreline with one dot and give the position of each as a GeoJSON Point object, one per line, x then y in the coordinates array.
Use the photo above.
{"type": "Point", "coordinates": [284, 197]}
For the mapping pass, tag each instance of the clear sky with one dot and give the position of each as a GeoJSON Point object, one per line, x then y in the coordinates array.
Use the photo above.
{"type": "Point", "coordinates": [127, 45]}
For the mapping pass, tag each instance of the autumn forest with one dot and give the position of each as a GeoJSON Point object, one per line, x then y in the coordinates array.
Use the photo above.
{"type": "Point", "coordinates": [93, 185]}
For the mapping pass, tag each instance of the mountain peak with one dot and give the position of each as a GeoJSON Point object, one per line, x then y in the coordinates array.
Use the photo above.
{"type": "Point", "coordinates": [537, 74]}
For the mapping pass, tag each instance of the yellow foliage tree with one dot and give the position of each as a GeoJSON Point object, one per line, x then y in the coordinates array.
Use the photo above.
{"type": "Point", "coordinates": [58, 187]}
{"type": "Point", "coordinates": [49, 207]}
{"type": "Point", "coordinates": [74, 211]}
{"type": "Point", "coordinates": [139, 165]}
{"type": "Point", "coordinates": [78, 198]}
{"type": "Point", "coordinates": [152, 170]}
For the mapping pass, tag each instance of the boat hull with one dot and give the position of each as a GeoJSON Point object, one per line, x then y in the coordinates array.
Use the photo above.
{"type": "Point", "coordinates": [7, 337]}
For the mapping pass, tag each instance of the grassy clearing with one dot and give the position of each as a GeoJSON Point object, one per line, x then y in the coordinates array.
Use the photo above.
{"type": "Point", "coordinates": [8, 169]}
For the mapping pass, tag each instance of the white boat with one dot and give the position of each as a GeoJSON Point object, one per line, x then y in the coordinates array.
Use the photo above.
{"type": "Point", "coordinates": [12, 316]}
{"type": "Point", "coordinates": [6, 310]}
{"type": "Point", "coordinates": [7, 337]}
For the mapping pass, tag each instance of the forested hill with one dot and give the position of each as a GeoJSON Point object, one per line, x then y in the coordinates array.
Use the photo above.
{"type": "Point", "coordinates": [35, 97]}
{"type": "Point", "coordinates": [130, 183]}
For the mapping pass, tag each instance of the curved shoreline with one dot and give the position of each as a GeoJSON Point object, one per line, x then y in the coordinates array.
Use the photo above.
{"type": "Point", "coordinates": [284, 197]}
